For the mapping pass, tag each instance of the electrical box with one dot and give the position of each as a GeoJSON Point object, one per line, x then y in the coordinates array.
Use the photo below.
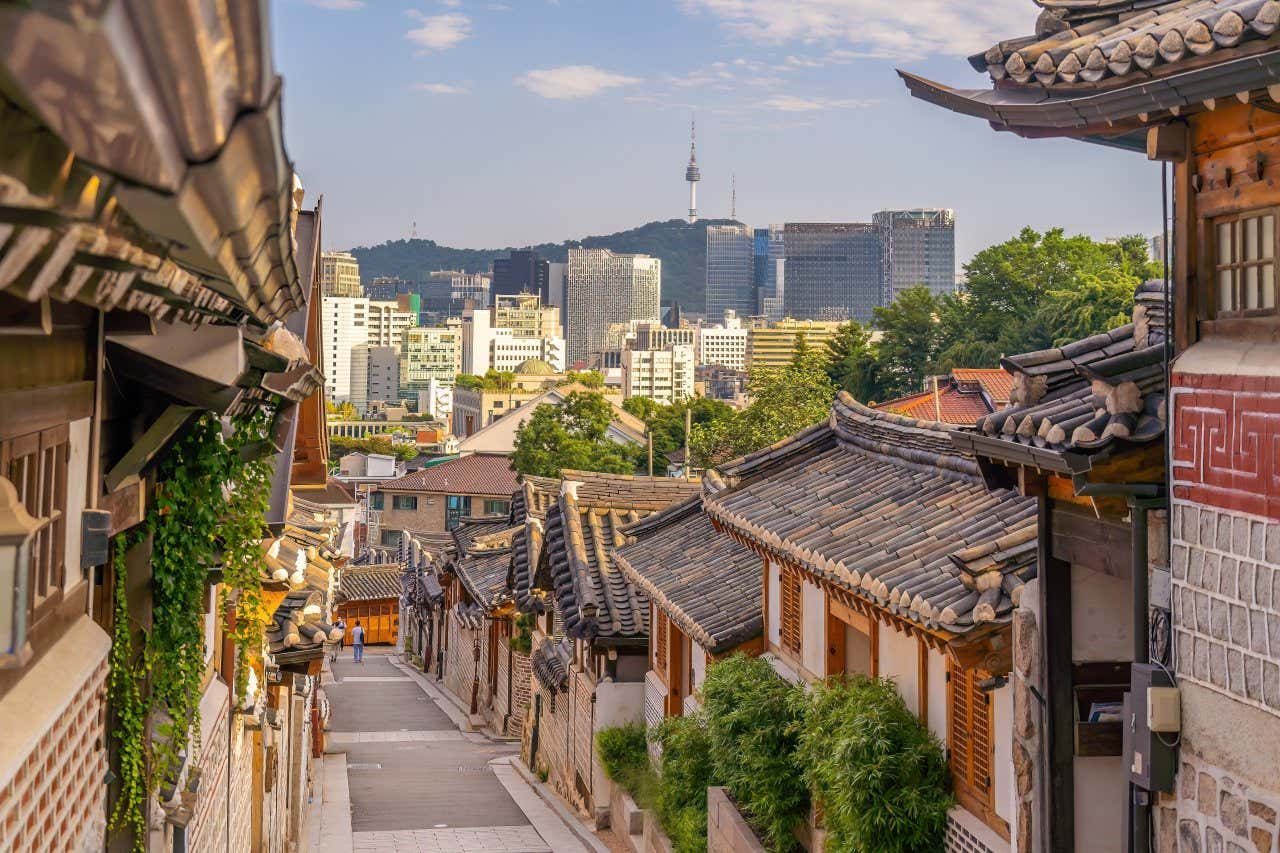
{"type": "Point", "coordinates": [95, 537]}
{"type": "Point", "coordinates": [1164, 710]}
{"type": "Point", "coordinates": [1151, 761]}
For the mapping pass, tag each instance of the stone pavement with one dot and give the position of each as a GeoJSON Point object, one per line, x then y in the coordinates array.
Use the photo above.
{"type": "Point", "coordinates": [416, 783]}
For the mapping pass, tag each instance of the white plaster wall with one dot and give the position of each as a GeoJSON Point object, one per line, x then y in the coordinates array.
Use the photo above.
{"type": "Point", "coordinates": [210, 622]}
{"type": "Point", "coordinates": [699, 666]}
{"type": "Point", "coordinates": [775, 583]}
{"type": "Point", "coordinates": [938, 695]}
{"type": "Point", "coordinates": [1100, 616]}
{"type": "Point", "coordinates": [619, 702]}
{"type": "Point", "coordinates": [900, 661]}
{"type": "Point", "coordinates": [813, 618]}
{"type": "Point", "coordinates": [1002, 761]}
{"type": "Point", "coordinates": [1101, 789]}
{"type": "Point", "coordinates": [77, 491]}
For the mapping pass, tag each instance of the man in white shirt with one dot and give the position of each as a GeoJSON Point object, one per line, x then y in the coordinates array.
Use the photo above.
{"type": "Point", "coordinates": [357, 641]}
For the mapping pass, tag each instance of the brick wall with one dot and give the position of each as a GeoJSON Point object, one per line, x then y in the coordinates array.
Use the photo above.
{"type": "Point", "coordinates": [460, 667]}
{"type": "Point", "coordinates": [1226, 603]}
{"type": "Point", "coordinates": [581, 687]}
{"type": "Point", "coordinates": [208, 827]}
{"type": "Point", "coordinates": [57, 800]}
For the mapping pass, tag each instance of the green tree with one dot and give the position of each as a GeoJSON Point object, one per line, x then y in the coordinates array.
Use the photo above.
{"type": "Point", "coordinates": [572, 435]}
{"type": "Point", "coordinates": [855, 365]}
{"type": "Point", "coordinates": [340, 411]}
{"type": "Point", "coordinates": [909, 343]}
{"type": "Point", "coordinates": [1099, 302]}
{"type": "Point", "coordinates": [784, 400]}
{"type": "Point", "coordinates": [340, 446]}
{"type": "Point", "coordinates": [588, 378]}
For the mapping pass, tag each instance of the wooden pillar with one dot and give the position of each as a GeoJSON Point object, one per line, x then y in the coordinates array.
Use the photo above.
{"type": "Point", "coordinates": [835, 641]}
{"type": "Point", "coordinates": [1059, 741]}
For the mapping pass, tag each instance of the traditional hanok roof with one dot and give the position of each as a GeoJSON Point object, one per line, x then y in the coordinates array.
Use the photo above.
{"type": "Point", "coordinates": [1074, 402]}
{"type": "Point", "coordinates": [550, 664]}
{"type": "Point", "coordinates": [150, 173]}
{"type": "Point", "coordinates": [592, 595]}
{"type": "Point", "coordinates": [298, 629]}
{"type": "Point", "coordinates": [370, 583]}
{"type": "Point", "coordinates": [881, 506]}
{"type": "Point", "coordinates": [483, 567]}
{"type": "Point", "coordinates": [296, 559]}
{"type": "Point", "coordinates": [707, 583]}
{"type": "Point", "coordinates": [534, 497]}
{"type": "Point", "coordinates": [996, 383]}
{"type": "Point", "coordinates": [477, 474]}
{"type": "Point", "coordinates": [1105, 70]}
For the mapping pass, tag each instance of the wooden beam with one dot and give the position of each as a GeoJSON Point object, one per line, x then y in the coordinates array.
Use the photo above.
{"type": "Point", "coordinates": [1059, 740]}
{"type": "Point", "coordinates": [33, 409]}
{"type": "Point", "coordinates": [150, 445]}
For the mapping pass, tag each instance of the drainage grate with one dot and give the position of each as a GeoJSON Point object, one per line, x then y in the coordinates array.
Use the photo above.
{"type": "Point", "coordinates": [473, 768]}
{"type": "Point", "coordinates": [365, 766]}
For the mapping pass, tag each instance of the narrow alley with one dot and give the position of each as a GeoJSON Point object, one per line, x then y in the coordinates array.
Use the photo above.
{"type": "Point", "coordinates": [415, 781]}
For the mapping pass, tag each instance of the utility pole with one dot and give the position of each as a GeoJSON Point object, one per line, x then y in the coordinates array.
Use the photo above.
{"type": "Point", "coordinates": [649, 432]}
{"type": "Point", "coordinates": [688, 425]}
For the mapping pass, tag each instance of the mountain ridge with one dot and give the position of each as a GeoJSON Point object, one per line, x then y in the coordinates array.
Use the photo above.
{"type": "Point", "coordinates": [682, 246]}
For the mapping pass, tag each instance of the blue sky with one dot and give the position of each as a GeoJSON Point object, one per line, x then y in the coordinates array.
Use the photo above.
{"type": "Point", "coordinates": [510, 122]}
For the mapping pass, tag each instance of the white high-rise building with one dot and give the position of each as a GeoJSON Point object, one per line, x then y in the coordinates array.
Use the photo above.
{"type": "Point", "coordinates": [724, 344]}
{"type": "Point", "coordinates": [663, 375]}
{"type": "Point", "coordinates": [605, 288]}
{"type": "Point", "coordinates": [516, 329]}
{"type": "Point", "coordinates": [428, 353]}
{"type": "Point", "coordinates": [344, 323]}
{"type": "Point", "coordinates": [387, 323]}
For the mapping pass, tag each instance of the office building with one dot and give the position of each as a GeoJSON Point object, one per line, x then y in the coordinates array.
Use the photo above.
{"type": "Point", "coordinates": [429, 353]}
{"type": "Point", "coordinates": [515, 329]}
{"type": "Point", "coordinates": [387, 321]}
{"type": "Point", "coordinates": [387, 287]}
{"type": "Point", "coordinates": [344, 324]}
{"type": "Point", "coordinates": [663, 375]}
{"type": "Point", "coordinates": [724, 345]}
{"type": "Point", "coordinates": [917, 247]}
{"type": "Point", "coordinates": [768, 271]}
{"type": "Point", "coordinates": [339, 274]}
{"type": "Point", "coordinates": [603, 288]}
{"type": "Point", "coordinates": [833, 271]}
{"type": "Point", "coordinates": [375, 375]}
{"type": "Point", "coordinates": [774, 344]}
{"type": "Point", "coordinates": [461, 288]}
{"type": "Point", "coordinates": [730, 285]}
{"type": "Point", "coordinates": [524, 271]}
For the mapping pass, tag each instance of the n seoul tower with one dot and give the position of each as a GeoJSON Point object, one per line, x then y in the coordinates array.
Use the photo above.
{"type": "Point", "coordinates": [691, 174]}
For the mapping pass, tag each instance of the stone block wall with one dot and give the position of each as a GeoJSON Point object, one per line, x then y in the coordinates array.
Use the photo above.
{"type": "Point", "coordinates": [727, 830]}
{"type": "Point", "coordinates": [521, 683]}
{"type": "Point", "coordinates": [1215, 813]}
{"type": "Point", "coordinates": [1027, 723]}
{"type": "Point", "coordinates": [582, 687]}
{"type": "Point", "coordinates": [56, 801]}
{"type": "Point", "coordinates": [1226, 603]}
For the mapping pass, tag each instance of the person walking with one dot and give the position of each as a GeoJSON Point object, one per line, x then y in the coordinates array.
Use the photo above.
{"type": "Point", "coordinates": [357, 641]}
{"type": "Point", "coordinates": [338, 647]}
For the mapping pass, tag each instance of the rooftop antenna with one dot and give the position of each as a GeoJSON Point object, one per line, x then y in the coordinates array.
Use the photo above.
{"type": "Point", "coordinates": [733, 197]}
{"type": "Point", "coordinates": [413, 231]}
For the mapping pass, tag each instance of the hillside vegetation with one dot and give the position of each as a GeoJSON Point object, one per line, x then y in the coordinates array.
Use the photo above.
{"type": "Point", "coordinates": [681, 246]}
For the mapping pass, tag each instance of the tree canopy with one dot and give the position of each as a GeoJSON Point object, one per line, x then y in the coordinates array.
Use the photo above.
{"type": "Point", "coordinates": [340, 445]}
{"type": "Point", "coordinates": [572, 435]}
{"type": "Point", "coordinates": [666, 424]}
{"type": "Point", "coordinates": [1030, 292]}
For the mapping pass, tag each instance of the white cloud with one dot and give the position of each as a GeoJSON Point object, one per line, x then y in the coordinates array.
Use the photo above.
{"type": "Point", "coordinates": [451, 4]}
{"type": "Point", "coordinates": [336, 5]}
{"type": "Point", "coordinates": [569, 82]}
{"type": "Point", "coordinates": [439, 88]}
{"type": "Point", "coordinates": [875, 28]}
{"type": "Point", "coordinates": [439, 32]}
{"type": "Point", "coordinates": [811, 104]}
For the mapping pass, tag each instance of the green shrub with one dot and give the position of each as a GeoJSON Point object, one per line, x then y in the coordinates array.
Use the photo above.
{"type": "Point", "coordinates": [622, 749]}
{"type": "Point", "coordinates": [878, 773]}
{"type": "Point", "coordinates": [682, 784]}
{"type": "Point", "coordinates": [522, 639]}
{"type": "Point", "coordinates": [752, 717]}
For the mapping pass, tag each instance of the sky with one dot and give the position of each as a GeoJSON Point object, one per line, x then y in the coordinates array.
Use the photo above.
{"type": "Point", "coordinates": [494, 123]}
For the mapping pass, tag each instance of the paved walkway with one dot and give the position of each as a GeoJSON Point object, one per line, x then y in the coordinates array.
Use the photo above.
{"type": "Point", "coordinates": [416, 783]}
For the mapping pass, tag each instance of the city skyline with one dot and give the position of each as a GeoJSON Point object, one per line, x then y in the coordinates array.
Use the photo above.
{"type": "Point", "coordinates": [802, 103]}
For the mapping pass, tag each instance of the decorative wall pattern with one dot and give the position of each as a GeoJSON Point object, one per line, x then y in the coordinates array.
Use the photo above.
{"type": "Point", "coordinates": [1226, 442]}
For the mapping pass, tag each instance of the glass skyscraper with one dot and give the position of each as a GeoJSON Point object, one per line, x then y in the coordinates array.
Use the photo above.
{"type": "Point", "coordinates": [603, 288]}
{"type": "Point", "coordinates": [833, 271]}
{"type": "Point", "coordinates": [729, 264]}
{"type": "Point", "coordinates": [917, 247]}
{"type": "Point", "coordinates": [768, 273]}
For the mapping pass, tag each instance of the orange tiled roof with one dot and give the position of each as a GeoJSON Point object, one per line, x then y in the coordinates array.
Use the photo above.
{"type": "Point", "coordinates": [953, 406]}
{"type": "Point", "coordinates": [996, 381]}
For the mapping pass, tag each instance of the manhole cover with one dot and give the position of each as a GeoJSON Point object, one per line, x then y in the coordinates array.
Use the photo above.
{"type": "Point", "coordinates": [364, 766]}
{"type": "Point", "coordinates": [473, 768]}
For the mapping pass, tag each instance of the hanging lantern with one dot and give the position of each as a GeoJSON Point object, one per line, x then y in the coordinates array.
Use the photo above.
{"type": "Point", "coordinates": [16, 529]}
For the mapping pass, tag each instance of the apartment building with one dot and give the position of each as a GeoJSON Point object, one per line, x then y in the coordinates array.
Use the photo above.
{"type": "Point", "coordinates": [663, 375]}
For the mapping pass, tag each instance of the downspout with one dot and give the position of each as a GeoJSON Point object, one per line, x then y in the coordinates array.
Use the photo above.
{"type": "Point", "coordinates": [95, 449]}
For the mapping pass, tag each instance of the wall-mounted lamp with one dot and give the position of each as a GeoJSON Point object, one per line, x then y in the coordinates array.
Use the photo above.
{"type": "Point", "coordinates": [16, 529]}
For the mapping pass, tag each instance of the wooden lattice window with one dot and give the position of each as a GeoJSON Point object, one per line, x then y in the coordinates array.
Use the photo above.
{"type": "Point", "coordinates": [36, 464]}
{"type": "Point", "coordinates": [790, 611]}
{"type": "Point", "coordinates": [660, 640]}
{"type": "Point", "coordinates": [1245, 276]}
{"type": "Point", "coordinates": [970, 741]}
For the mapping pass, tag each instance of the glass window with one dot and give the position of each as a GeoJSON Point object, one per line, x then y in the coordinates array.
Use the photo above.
{"type": "Point", "coordinates": [404, 502]}
{"type": "Point", "coordinates": [1244, 281]}
{"type": "Point", "coordinates": [375, 500]}
{"type": "Point", "coordinates": [492, 507]}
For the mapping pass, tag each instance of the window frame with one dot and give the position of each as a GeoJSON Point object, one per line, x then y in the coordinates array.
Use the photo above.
{"type": "Point", "coordinates": [791, 598]}
{"type": "Point", "coordinates": [505, 510]}
{"type": "Point", "coordinates": [1237, 265]}
{"type": "Point", "coordinates": [977, 796]}
{"type": "Point", "coordinates": [43, 492]}
{"type": "Point", "coordinates": [405, 503]}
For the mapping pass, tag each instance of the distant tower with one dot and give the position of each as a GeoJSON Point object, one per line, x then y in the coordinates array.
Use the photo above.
{"type": "Point", "coordinates": [691, 174]}
{"type": "Point", "coordinates": [733, 198]}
